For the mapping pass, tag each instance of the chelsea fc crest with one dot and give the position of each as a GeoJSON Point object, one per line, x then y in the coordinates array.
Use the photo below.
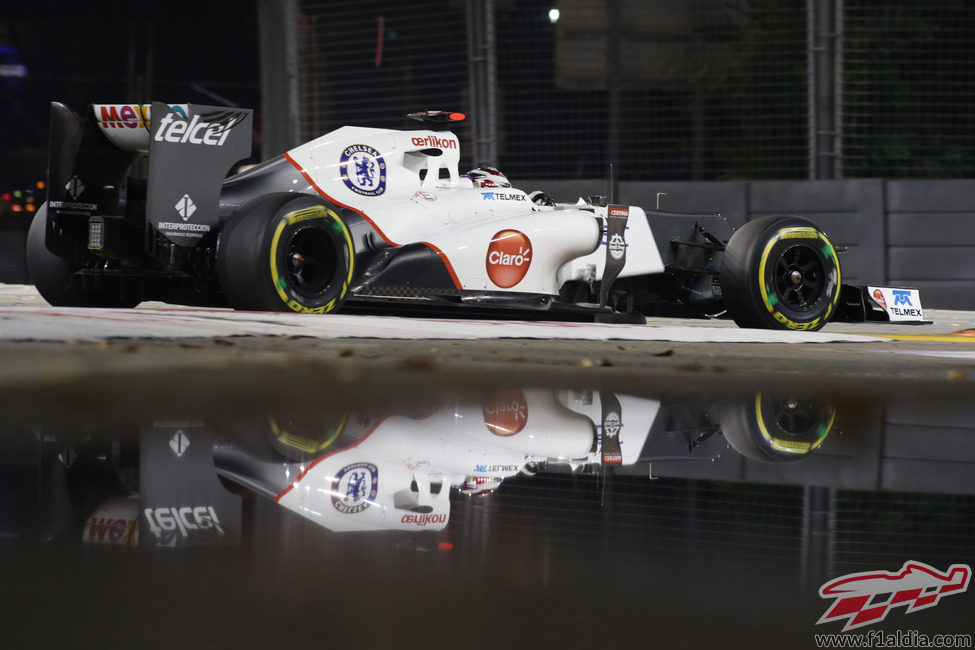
{"type": "Point", "coordinates": [356, 486]}
{"type": "Point", "coordinates": [363, 170]}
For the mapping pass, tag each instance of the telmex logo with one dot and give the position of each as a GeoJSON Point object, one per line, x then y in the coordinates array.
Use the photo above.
{"type": "Point", "coordinates": [916, 586]}
{"type": "Point", "coordinates": [902, 297]}
{"type": "Point", "coordinates": [508, 258]}
{"type": "Point", "coordinates": [434, 141]}
{"type": "Point", "coordinates": [507, 413]}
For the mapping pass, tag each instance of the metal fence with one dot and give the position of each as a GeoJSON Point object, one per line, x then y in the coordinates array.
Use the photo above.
{"type": "Point", "coordinates": [371, 63]}
{"type": "Point", "coordinates": [664, 89]}
{"type": "Point", "coordinates": [908, 89]}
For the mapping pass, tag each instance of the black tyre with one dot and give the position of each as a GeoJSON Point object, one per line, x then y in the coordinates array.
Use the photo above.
{"type": "Point", "coordinates": [777, 428]}
{"type": "Point", "coordinates": [51, 275]}
{"type": "Point", "coordinates": [780, 273]}
{"type": "Point", "coordinates": [286, 253]}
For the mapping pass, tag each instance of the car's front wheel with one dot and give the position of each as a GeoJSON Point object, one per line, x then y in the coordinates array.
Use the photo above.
{"type": "Point", "coordinates": [286, 253]}
{"type": "Point", "coordinates": [778, 428]}
{"type": "Point", "coordinates": [780, 273]}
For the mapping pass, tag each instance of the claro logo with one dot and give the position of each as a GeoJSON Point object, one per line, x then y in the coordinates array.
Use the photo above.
{"type": "Point", "coordinates": [506, 413]}
{"type": "Point", "coordinates": [508, 258]}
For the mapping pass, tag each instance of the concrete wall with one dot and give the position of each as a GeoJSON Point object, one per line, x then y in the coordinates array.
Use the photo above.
{"type": "Point", "coordinates": [905, 233]}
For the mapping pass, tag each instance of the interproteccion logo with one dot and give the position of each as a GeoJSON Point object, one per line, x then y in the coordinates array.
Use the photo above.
{"type": "Point", "coordinates": [866, 598]}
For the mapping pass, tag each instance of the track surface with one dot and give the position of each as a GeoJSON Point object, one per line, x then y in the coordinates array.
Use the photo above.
{"type": "Point", "coordinates": [42, 344]}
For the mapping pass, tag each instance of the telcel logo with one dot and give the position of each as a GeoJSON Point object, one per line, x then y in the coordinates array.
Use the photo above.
{"type": "Point", "coordinates": [186, 520]}
{"type": "Point", "coordinates": [508, 258]}
{"type": "Point", "coordinates": [195, 131]}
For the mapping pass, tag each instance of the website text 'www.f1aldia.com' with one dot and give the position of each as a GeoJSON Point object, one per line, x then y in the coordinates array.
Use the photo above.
{"type": "Point", "coordinates": [898, 639]}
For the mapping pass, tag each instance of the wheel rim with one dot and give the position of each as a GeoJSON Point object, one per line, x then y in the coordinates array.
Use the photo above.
{"type": "Point", "coordinates": [794, 426]}
{"type": "Point", "coordinates": [800, 278]}
{"type": "Point", "coordinates": [795, 417]}
{"type": "Point", "coordinates": [310, 261]}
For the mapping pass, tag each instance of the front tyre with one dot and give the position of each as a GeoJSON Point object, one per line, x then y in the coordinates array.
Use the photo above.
{"type": "Point", "coordinates": [780, 273]}
{"type": "Point", "coordinates": [778, 428]}
{"type": "Point", "coordinates": [286, 253]}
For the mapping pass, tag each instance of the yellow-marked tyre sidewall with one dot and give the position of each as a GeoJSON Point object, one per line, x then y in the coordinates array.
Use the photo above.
{"type": "Point", "coordinates": [282, 230]}
{"type": "Point", "coordinates": [748, 268]}
{"type": "Point", "coordinates": [817, 243]}
{"type": "Point", "coordinates": [256, 243]}
{"type": "Point", "coordinates": [751, 428]}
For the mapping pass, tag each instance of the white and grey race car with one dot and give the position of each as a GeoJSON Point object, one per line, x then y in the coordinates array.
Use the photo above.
{"type": "Point", "coordinates": [140, 208]}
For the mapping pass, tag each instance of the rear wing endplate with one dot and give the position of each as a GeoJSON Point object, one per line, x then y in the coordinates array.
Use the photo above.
{"type": "Point", "coordinates": [191, 149]}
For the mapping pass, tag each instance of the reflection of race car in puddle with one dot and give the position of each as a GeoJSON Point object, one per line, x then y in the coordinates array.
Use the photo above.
{"type": "Point", "coordinates": [399, 470]}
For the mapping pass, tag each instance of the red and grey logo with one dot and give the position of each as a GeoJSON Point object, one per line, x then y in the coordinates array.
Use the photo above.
{"type": "Point", "coordinates": [866, 598]}
{"type": "Point", "coordinates": [506, 413]}
{"type": "Point", "coordinates": [878, 296]}
{"type": "Point", "coordinates": [508, 257]}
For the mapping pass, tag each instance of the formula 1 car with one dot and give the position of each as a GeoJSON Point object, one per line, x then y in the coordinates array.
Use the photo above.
{"type": "Point", "coordinates": [377, 218]}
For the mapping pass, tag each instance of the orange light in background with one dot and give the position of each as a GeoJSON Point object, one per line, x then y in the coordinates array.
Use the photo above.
{"type": "Point", "coordinates": [31, 207]}
{"type": "Point", "coordinates": [41, 185]}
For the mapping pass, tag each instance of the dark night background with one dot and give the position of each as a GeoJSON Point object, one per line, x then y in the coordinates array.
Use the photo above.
{"type": "Point", "coordinates": [111, 51]}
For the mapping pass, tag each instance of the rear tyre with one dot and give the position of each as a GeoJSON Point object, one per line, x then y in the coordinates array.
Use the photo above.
{"type": "Point", "coordinates": [286, 253]}
{"type": "Point", "coordinates": [780, 273]}
{"type": "Point", "coordinates": [51, 274]}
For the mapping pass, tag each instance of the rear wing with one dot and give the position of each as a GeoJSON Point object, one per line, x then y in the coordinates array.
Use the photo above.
{"type": "Point", "coordinates": [94, 168]}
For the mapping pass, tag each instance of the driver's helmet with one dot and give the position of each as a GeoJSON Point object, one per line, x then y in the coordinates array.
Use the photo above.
{"type": "Point", "coordinates": [487, 177]}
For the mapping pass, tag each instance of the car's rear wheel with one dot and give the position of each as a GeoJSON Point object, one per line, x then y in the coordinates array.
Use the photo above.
{"type": "Point", "coordinates": [286, 253]}
{"type": "Point", "coordinates": [780, 273]}
{"type": "Point", "coordinates": [52, 275]}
